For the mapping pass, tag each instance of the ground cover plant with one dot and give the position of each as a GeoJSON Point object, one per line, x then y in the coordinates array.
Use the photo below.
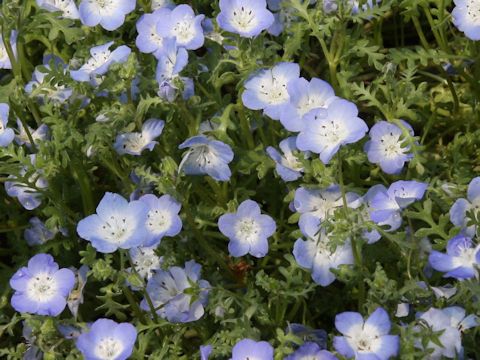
{"type": "Point", "coordinates": [239, 179]}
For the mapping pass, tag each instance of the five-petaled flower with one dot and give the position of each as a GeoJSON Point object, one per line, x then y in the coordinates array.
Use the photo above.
{"type": "Point", "coordinates": [135, 142]}
{"type": "Point", "coordinates": [110, 14]}
{"type": "Point", "coordinates": [148, 39]}
{"type": "Point", "coordinates": [287, 166]}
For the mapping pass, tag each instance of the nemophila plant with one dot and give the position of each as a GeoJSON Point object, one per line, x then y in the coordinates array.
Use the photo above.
{"type": "Point", "coordinates": [239, 179]}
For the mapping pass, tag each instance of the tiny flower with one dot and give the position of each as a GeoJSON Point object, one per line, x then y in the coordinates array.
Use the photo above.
{"type": "Point", "coordinates": [249, 349]}
{"type": "Point", "coordinates": [205, 351]}
{"type": "Point", "coordinates": [145, 261]}
{"type": "Point", "coordinates": [311, 351]}
{"type": "Point", "coordinates": [110, 14]}
{"type": "Point", "coordinates": [178, 293]}
{"type": "Point", "coordinates": [386, 147]}
{"type": "Point", "coordinates": [6, 134]}
{"type": "Point", "coordinates": [248, 18]}
{"type": "Point", "coordinates": [267, 89]}
{"type": "Point", "coordinates": [28, 196]}
{"type": "Point", "coordinates": [162, 217]}
{"type": "Point", "coordinates": [117, 224]}
{"type": "Point", "coordinates": [4, 58]}
{"type": "Point", "coordinates": [41, 288]}
{"type": "Point", "coordinates": [458, 211]}
{"type": "Point", "coordinates": [247, 229]}
{"type": "Point", "coordinates": [321, 203]}
{"type": "Point", "coordinates": [76, 296]}
{"type": "Point", "coordinates": [449, 323]}
{"type": "Point", "coordinates": [38, 233]}
{"type": "Point", "coordinates": [182, 24]}
{"type": "Point", "coordinates": [40, 134]}
{"type": "Point", "coordinates": [135, 142]}
{"type": "Point", "coordinates": [101, 60]}
{"type": "Point", "coordinates": [148, 39]}
{"type": "Point", "coordinates": [324, 133]}
{"type": "Point", "coordinates": [316, 253]}
{"type": "Point", "coordinates": [466, 18]}
{"type": "Point", "coordinates": [67, 7]}
{"type": "Point", "coordinates": [287, 166]}
{"type": "Point", "coordinates": [107, 340]}
{"type": "Point", "coordinates": [367, 339]}
{"type": "Point", "coordinates": [461, 260]}
{"type": "Point", "coordinates": [205, 156]}
{"type": "Point", "coordinates": [304, 97]}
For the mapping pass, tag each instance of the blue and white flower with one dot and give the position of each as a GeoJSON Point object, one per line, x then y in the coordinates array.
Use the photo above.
{"type": "Point", "coordinates": [41, 287]}
{"type": "Point", "coordinates": [184, 26]}
{"type": "Point", "coordinates": [4, 58]}
{"type": "Point", "coordinates": [387, 146]}
{"type": "Point", "coordinates": [159, 4]}
{"type": "Point", "coordinates": [311, 351]}
{"type": "Point", "coordinates": [367, 339]}
{"type": "Point", "coordinates": [148, 39]}
{"type": "Point", "coordinates": [267, 89]}
{"type": "Point", "coordinates": [248, 18]}
{"type": "Point", "coordinates": [145, 261]}
{"type": "Point", "coordinates": [459, 210]}
{"type": "Point", "coordinates": [38, 233]}
{"type": "Point", "coordinates": [101, 60]}
{"type": "Point", "coordinates": [67, 7]}
{"type": "Point", "coordinates": [287, 166]}
{"type": "Point", "coordinates": [461, 261]}
{"type": "Point", "coordinates": [42, 133]}
{"type": "Point", "coordinates": [135, 143]}
{"type": "Point", "coordinates": [6, 134]}
{"type": "Point", "coordinates": [107, 339]}
{"type": "Point", "coordinates": [110, 14]}
{"type": "Point", "coordinates": [206, 157]}
{"type": "Point", "coordinates": [316, 253]}
{"type": "Point", "coordinates": [75, 299]}
{"type": "Point", "coordinates": [117, 224]}
{"type": "Point", "coordinates": [305, 96]}
{"type": "Point", "coordinates": [250, 349]}
{"type": "Point", "coordinates": [178, 293]}
{"type": "Point", "coordinates": [466, 17]}
{"type": "Point", "coordinates": [324, 133]}
{"type": "Point", "coordinates": [162, 217]}
{"type": "Point", "coordinates": [247, 229]}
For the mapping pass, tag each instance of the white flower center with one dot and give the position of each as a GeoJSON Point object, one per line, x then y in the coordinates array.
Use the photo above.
{"type": "Point", "coordinates": [309, 103]}
{"type": "Point", "coordinates": [247, 230]}
{"type": "Point", "coordinates": [473, 11]}
{"type": "Point", "coordinates": [392, 146]}
{"type": "Point", "coordinates": [202, 155]}
{"type": "Point", "coordinates": [155, 38]}
{"type": "Point", "coordinates": [184, 31]}
{"type": "Point", "coordinates": [244, 18]}
{"type": "Point", "coordinates": [322, 206]}
{"type": "Point", "coordinates": [273, 90]}
{"type": "Point", "coordinates": [42, 287]}
{"type": "Point", "coordinates": [97, 60]}
{"type": "Point", "coordinates": [103, 4]}
{"type": "Point", "coordinates": [146, 261]}
{"type": "Point", "coordinates": [117, 228]}
{"type": "Point", "coordinates": [466, 257]}
{"type": "Point", "coordinates": [333, 131]}
{"type": "Point", "coordinates": [108, 348]}
{"type": "Point", "coordinates": [2, 128]}
{"type": "Point", "coordinates": [134, 142]}
{"type": "Point", "coordinates": [290, 161]}
{"type": "Point", "coordinates": [158, 221]}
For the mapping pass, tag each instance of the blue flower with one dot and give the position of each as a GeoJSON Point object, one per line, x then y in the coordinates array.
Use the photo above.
{"type": "Point", "coordinates": [287, 166]}
{"type": "Point", "coordinates": [172, 60]}
{"type": "Point", "coordinates": [267, 89]}
{"type": "Point", "coordinates": [458, 211]}
{"type": "Point", "coordinates": [367, 339]}
{"type": "Point", "coordinates": [159, 4]}
{"type": "Point", "coordinates": [67, 7]}
{"type": "Point", "coordinates": [101, 60]}
{"type": "Point", "coordinates": [311, 351]}
{"type": "Point", "coordinates": [145, 261]}
{"type": "Point", "coordinates": [247, 229]}
{"type": "Point", "coordinates": [106, 339]}
{"type": "Point", "coordinates": [386, 147]}
{"type": "Point", "coordinates": [178, 293]}
{"type": "Point", "coordinates": [205, 351]}
{"type": "Point", "coordinates": [40, 134]}
{"type": "Point", "coordinates": [76, 296]}
{"type": "Point", "coordinates": [109, 14]}
{"type": "Point", "coordinates": [321, 203]}
{"type": "Point", "coordinates": [449, 323]}
{"type": "Point", "coordinates": [184, 26]}
{"type": "Point", "coordinates": [4, 59]}
{"type": "Point", "coordinates": [324, 133]}
{"type": "Point", "coordinates": [117, 224]}
{"type": "Point", "coordinates": [205, 156]}
{"type": "Point", "coordinates": [387, 205]}
{"type": "Point", "coordinates": [41, 288]}
{"type": "Point", "coordinates": [162, 217]}
{"type": "Point", "coordinates": [248, 18]}
{"type": "Point", "coordinates": [304, 97]}
{"type": "Point", "coordinates": [29, 196]}
{"type": "Point", "coordinates": [316, 254]}
{"type": "Point", "coordinates": [307, 334]}
{"type": "Point", "coordinates": [6, 134]}
{"type": "Point", "coordinates": [466, 17]}
{"type": "Point", "coordinates": [250, 349]}
{"type": "Point", "coordinates": [134, 143]}
{"type": "Point", "coordinates": [37, 233]}
{"type": "Point", "coordinates": [461, 260]}
{"type": "Point", "coordinates": [148, 39]}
